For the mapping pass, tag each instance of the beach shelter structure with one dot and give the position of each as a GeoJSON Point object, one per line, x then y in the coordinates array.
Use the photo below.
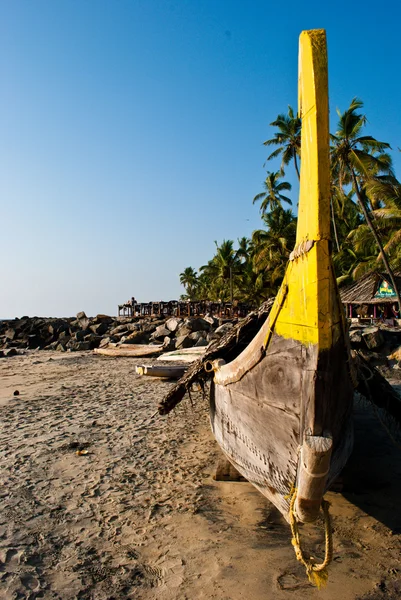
{"type": "Point", "coordinates": [375, 293]}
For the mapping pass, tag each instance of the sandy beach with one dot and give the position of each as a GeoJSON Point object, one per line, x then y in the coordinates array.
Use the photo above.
{"type": "Point", "coordinates": [102, 499]}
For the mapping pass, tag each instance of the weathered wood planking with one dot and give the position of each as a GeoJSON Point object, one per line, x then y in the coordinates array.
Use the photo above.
{"type": "Point", "coordinates": [260, 420]}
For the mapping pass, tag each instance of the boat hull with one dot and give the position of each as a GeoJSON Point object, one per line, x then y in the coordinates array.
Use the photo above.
{"type": "Point", "coordinates": [261, 419]}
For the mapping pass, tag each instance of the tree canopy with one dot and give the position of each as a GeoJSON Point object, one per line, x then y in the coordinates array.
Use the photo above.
{"type": "Point", "coordinates": [365, 209]}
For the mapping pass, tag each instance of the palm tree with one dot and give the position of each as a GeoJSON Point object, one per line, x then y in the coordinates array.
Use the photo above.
{"type": "Point", "coordinates": [254, 287]}
{"type": "Point", "coordinates": [288, 139]}
{"type": "Point", "coordinates": [272, 247]}
{"type": "Point", "coordinates": [244, 249]}
{"type": "Point", "coordinates": [352, 262]}
{"type": "Point", "coordinates": [272, 197]}
{"type": "Point", "coordinates": [189, 279]}
{"type": "Point", "coordinates": [386, 190]}
{"type": "Point", "coordinates": [360, 158]}
{"type": "Point", "coordinates": [223, 266]}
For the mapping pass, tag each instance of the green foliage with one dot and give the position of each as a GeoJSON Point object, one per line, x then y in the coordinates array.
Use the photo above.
{"type": "Point", "coordinates": [272, 197]}
{"type": "Point", "coordinates": [287, 138]}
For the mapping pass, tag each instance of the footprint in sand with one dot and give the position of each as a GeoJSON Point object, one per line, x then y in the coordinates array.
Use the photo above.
{"type": "Point", "coordinates": [30, 582]}
{"type": "Point", "coordinates": [11, 557]}
{"type": "Point", "coordinates": [289, 581]}
{"type": "Point", "coordinates": [169, 574]}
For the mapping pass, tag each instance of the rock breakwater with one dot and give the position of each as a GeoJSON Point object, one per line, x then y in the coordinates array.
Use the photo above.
{"type": "Point", "coordinates": [87, 333]}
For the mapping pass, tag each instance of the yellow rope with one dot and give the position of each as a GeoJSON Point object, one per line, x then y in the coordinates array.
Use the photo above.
{"type": "Point", "coordinates": [317, 573]}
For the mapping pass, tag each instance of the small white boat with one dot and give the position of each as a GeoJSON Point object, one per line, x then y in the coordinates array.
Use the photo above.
{"type": "Point", "coordinates": [187, 355]}
{"type": "Point", "coordinates": [167, 371]}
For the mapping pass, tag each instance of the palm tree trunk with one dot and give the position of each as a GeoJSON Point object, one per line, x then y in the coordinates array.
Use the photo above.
{"type": "Point", "coordinates": [296, 167]}
{"type": "Point", "coordinates": [377, 238]}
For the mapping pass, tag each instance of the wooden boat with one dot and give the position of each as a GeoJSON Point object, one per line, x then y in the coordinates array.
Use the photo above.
{"type": "Point", "coordinates": [129, 350]}
{"type": "Point", "coordinates": [164, 371]}
{"type": "Point", "coordinates": [187, 355]}
{"type": "Point", "coordinates": [282, 409]}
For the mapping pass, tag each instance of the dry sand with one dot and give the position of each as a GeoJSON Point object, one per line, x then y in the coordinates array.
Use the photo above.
{"type": "Point", "coordinates": [140, 516]}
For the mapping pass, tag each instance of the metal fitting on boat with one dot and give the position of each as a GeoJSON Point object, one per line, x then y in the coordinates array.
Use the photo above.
{"type": "Point", "coordinates": [211, 366]}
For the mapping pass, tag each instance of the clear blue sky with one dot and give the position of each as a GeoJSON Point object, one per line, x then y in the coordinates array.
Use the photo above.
{"type": "Point", "coordinates": [131, 133]}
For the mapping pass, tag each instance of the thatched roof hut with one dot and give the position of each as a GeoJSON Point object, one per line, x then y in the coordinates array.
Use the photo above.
{"type": "Point", "coordinates": [372, 288]}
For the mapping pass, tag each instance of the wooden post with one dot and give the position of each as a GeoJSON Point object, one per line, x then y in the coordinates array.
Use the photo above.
{"type": "Point", "coordinates": [314, 465]}
{"type": "Point", "coordinates": [171, 372]}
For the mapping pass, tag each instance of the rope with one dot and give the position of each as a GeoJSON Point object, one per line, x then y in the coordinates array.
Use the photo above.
{"type": "Point", "coordinates": [317, 573]}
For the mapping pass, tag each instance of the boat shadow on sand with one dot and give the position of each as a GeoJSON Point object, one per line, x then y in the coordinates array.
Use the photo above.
{"type": "Point", "coordinates": [371, 478]}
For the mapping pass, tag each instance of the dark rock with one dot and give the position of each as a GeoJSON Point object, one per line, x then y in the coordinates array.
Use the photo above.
{"type": "Point", "coordinates": [173, 323]}
{"type": "Point", "coordinates": [99, 328]}
{"type": "Point", "coordinates": [10, 352]}
{"type": "Point", "coordinates": [392, 338]}
{"type": "Point", "coordinates": [136, 337]}
{"type": "Point", "coordinates": [34, 341]}
{"type": "Point", "coordinates": [212, 320]}
{"type": "Point", "coordinates": [119, 337]}
{"type": "Point", "coordinates": [79, 335]}
{"type": "Point", "coordinates": [185, 329]}
{"type": "Point", "coordinates": [160, 333]}
{"type": "Point", "coordinates": [168, 344]}
{"type": "Point", "coordinates": [134, 326]}
{"type": "Point", "coordinates": [94, 340]}
{"type": "Point", "coordinates": [197, 324]}
{"type": "Point", "coordinates": [78, 346]}
{"type": "Point", "coordinates": [372, 338]}
{"type": "Point", "coordinates": [83, 320]}
{"type": "Point", "coordinates": [198, 335]}
{"type": "Point", "coordinates": [103, 319]}
{"type": "Point", "coordinates": [150, 326]}
{"type": "Point", "coordinates": [52, 346]}
{"type": "Point", "coordinates": [355, 336]}
{"type": "Point", "coordinates": [84, 323]}
{"type": "Point", "coordinates": [10, 334]}
{"type": "Point", "coordinates": [15, 344]}
{"type": "Point", "coordinates": [183, 341]}
{"type": "Point", "coordinates": [119, 329]}
{"type": "Point", "coordinates": [57, 326]}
